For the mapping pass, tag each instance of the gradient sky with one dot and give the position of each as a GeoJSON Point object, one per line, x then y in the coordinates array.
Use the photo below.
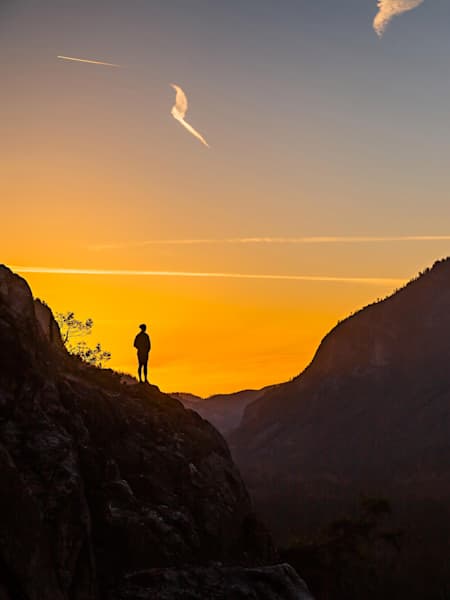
{"type": "Point", "coordinates": [316, 127]}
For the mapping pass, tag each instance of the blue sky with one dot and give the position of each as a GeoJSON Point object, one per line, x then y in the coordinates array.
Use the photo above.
{"type": "Point", "coordinates": [350, 132]}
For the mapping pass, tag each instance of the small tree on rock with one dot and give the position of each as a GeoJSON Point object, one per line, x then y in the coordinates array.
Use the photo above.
{"type": "Point", "coordinates": [73, 332]}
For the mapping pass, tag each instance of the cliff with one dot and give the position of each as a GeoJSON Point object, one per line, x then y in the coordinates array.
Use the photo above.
{"type": "Point", "coordinates": [110, 490]}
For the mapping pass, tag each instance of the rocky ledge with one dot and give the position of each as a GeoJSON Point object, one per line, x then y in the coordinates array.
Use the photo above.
{"type": "Point", "coordinates": [113, 491]}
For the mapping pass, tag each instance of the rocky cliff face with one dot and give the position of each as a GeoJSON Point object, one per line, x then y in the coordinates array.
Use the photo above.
{"type": "Point", "coordinates": [372, 411]}
{"type": "Point", "coordinates": [113, 491]}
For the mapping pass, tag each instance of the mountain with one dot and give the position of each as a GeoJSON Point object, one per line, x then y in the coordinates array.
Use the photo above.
{"type": "Point", "coordinates": [188, 400]}
{"type": "Point", "coordinates": [370, 414]}
{"type": "Point", "coordinates": [224, 411]}
{"type": "Point", "coordinates": [114, 491]}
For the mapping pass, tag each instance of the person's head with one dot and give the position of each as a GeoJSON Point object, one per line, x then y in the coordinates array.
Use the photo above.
{"type": "Point", "coordinates": [143, 327]}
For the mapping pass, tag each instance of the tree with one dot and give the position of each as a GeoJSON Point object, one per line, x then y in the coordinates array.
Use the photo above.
{"type": "Point", "coordinates": [73, 331]}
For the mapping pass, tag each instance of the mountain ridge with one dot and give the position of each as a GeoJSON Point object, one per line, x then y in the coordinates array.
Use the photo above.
{"type": "Point", "coordinates": [224, 411]}
{"type": "Point", "coordinates": [369, 416]}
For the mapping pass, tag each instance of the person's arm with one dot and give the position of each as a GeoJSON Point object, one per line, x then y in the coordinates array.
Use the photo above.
{"type": "Point", "coordinates": [135, 342]}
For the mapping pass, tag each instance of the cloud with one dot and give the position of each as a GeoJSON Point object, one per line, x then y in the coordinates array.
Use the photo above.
{"type": "Point", "coordinates": [179, 111]}
{"type": "Point", "coordinates": [89, 61]}
{"type": "Point", "coordinates": [276, 240]}
{"type": "Point", "coordinates": [210, 275]}
{"type": "Point", "coordinates": [388, 9]}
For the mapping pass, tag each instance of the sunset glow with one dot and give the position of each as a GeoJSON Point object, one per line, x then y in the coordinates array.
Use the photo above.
{"type": "Point", "coordinates": [326, 187]}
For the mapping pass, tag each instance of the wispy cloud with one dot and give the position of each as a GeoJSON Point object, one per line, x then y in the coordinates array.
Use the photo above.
{"type": "Point", "coordinates": [179, 111]}
{"type": "Point", "coordinates": [89, 61]}
{"type": "Point", "coordinates": [275, 240]}
{"type": "Point", "coordinates": [388, 9]}
{"type": "Point", "coordinates": [209, 275]}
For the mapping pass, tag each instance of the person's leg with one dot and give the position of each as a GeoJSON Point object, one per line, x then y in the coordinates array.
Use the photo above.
{"type": "Point", "coordinates": [140, 372]}
{"type": "Point", "coordinates": [145, 370]}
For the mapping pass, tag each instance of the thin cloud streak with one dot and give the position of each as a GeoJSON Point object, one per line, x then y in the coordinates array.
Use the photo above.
{"type": "Point", "coordinates": [276, 240]}
{"type": "Point", "coordinates": [212, 275]}
{"type": "Point", "coordinates": [179, 111]}
{"type": "Point", "coordinates": [388, 9]}
{"type": "Point", "coordinates": [89, 61]}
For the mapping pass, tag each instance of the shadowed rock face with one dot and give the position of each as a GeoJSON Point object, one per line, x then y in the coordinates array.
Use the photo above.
{"type": "Point", "coordinates": [372, 411]}
{"type": "Point", "coordinates": [280, 582]}
{"type": "Point", "coordinates": [100, 480]}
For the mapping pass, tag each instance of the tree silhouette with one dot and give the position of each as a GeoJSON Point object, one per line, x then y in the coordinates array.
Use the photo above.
{"type": "Point", "coordinates": [73, 331]}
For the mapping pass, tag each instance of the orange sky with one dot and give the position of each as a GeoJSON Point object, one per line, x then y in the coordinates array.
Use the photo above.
{"type": "Point", "coordinates": [317, 129]}
{"type": "Point", "coordinates": [208, 336]}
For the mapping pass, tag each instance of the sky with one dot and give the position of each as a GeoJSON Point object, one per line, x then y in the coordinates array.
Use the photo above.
{"type": "Point", "coordinates": [325, 185]}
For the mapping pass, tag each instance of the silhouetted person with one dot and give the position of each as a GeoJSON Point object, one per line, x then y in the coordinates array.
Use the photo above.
{"type": "Point", "coordinates": [142, 344]}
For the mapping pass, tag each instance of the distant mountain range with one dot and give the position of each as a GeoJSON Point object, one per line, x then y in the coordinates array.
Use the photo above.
{"type": "Point", "coordinates": [224, 411]}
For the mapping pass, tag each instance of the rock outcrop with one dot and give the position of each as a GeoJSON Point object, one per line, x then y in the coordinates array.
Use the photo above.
{"type": "Point", "coordinates": [280, 582]}
{"type": "Point", "coordinates": [110, 490]}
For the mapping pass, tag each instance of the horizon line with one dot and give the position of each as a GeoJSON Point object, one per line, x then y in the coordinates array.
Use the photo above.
{"type": "Point", "coordinates": [275, 240]}
{"type": "Point", "coordinates": [209, 275]}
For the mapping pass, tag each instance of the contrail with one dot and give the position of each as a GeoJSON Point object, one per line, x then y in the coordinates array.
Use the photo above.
{"type": "Point", "coordinates": [212, 275]}
{"type": "Point", "coordinates": [179, 111]}
{"type": "Point", "coordinates": [277, 240]}
{"type": "Point", "coordinates": [388, 9]}
{"type": "Point", "coordinates": [88, 61]}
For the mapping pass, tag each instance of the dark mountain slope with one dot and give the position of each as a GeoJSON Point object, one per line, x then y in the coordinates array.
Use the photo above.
{"type": "Point", "coordinates": [372, 411]}
{"type": "Point", "coordinates": [103, 484]}
{"type": "Point", "coordinates": [224, 411]}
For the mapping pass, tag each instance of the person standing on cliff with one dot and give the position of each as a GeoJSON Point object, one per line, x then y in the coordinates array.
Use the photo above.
{"type": "Point", "coordinates": [143, 345]}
